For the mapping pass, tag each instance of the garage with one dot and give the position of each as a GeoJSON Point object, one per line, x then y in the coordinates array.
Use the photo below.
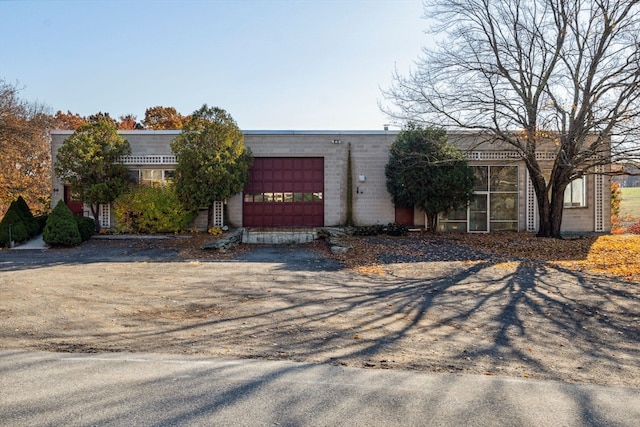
{"type": "Point", "coordinates": [284, 192]}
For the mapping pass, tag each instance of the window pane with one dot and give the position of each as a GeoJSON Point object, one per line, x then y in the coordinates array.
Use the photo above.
{"type": "Point", "coordinates": [317, 197]}
{"type": "Point", "coordinates": [134, 176]}
{"type": "Point", "coordinates": [257, 198]}
{"type": "Point", "coordinates": [150, 176]}
{"type": "Point", "coordinates": [288, 197]}
{"type": "Point", "coordinates": [504, 178]}
{"type": "Point", "coordinates": [504, 206]}
{"type": "Point", "coordinates": [481, 174]}
{"type": "Point", "coordinates": [504, 226]}
{"type": "Point", "coordinates": [574, 193]}
{"type": "Point", "coordinates": [458, 214]}
{"type": "Point", "coordinates": [297, 197]}
{"type": "Point", "coordinates": [453, 226]}
{"type": "Point", "coordinates": [169, 176]}
{"type": "Point", "coordinates": [478, 213]}
{"type": "Point", "coordinates": [248, 197]}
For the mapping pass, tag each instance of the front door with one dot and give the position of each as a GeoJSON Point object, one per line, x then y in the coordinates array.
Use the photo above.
{"type": "Point", "coordinates": [74, 206]}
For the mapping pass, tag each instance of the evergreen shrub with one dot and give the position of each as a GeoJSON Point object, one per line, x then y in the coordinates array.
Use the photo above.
{"type": "Point", "coordinates": [29, 221]}
{"type": "Point", "coordinates": [369, 230]}
{"type": "Point", "coordinates": [395, 229]}
{"type": "Point", "coordinates": [12, 227]}
{"type": "Point", "coordinates": [61, 228]}
{"type": "Point", "coordinates": [86, 227]}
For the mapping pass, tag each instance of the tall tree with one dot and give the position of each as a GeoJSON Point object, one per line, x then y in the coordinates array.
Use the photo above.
{"type": "Point", "coordinates": [213, 162]}
{"type": "Point", "coordinates": [89, 162]}
{"type": "Point", "coordinates": [68, 120]}
{"type": "Point", "coordinates": [559, 76]}
{"type": "Point", "coordinates": [128, 122]}
{"type": "Point", "coordinates": [25, 159]}
{"type": "Point", "coordinates": [102, 117]}
{"type": "Point", "coordinates": [163, 118]}
{"type": "Point", "coordinates": [428, 172]}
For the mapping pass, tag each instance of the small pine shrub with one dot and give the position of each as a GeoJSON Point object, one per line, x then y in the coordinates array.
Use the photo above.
{"type": "Point", "coordinates": [29, 221]}
{"type": "Point", "coordinates": [395, 229]}
{"type": "Point", "coordinates": [12, 228]}
{"type": "Point", "coordinates": [61, 228]}
{"type": "Point", "coordinates": [369, 230]}
{"type": "Point", "coordinates": [86, 227]}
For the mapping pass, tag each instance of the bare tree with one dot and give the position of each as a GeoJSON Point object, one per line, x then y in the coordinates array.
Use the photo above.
{"type": "Point", "coordinates": [560, 76]}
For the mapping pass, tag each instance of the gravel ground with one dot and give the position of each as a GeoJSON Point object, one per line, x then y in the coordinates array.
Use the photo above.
{"type": "Point", "coordinates": [425, 304]}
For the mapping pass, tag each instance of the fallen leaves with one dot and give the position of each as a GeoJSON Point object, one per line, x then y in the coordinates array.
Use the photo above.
{"type": "Point", "coordinates": [615, 254]}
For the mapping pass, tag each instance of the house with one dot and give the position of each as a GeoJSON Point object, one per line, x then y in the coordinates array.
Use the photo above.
{"type": "Point", "coordinates": [299, 178]}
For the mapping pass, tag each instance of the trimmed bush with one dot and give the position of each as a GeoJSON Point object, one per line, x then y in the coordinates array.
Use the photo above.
{"type": "Point", "coordinates": [86, 227]}
{"type": "Point", "coordinates": [634, 228]}
{"type": "Point", "coordinates": [29, 221]}
{"type": "Point", "coordinates": [369, 230]}
{"type": "Point", "coordinates": [146, 209]}
{"type": "Point", "coordinates": [12, 227]}
{"type": "Point", "coordinates": [61, 228]}
{"type": "Point", "coordinates": [395, 229]}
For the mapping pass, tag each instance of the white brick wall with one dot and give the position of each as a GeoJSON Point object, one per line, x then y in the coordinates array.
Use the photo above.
{"type": "Point", "coordinates": [369, 151]}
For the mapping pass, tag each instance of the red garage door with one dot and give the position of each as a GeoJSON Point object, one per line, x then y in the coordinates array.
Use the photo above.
{"type": "Point", "coordinates": [284, 191]}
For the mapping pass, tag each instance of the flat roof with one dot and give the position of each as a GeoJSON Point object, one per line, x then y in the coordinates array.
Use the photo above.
{"type": "Point", "coordinates": [250, 132]}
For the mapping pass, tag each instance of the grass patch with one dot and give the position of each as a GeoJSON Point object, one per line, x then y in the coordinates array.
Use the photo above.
{"type": "Point", "coordinates": [630, 205]}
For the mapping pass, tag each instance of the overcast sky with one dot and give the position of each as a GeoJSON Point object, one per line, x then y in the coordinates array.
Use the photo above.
{"type": "Point", "coordinates": [288, 64]}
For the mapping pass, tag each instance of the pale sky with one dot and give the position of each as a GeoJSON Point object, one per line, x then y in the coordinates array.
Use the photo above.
{"type": "Point", "coordinates": [271, 64]}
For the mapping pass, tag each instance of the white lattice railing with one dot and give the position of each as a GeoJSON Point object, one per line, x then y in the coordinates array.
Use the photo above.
{"type": "Point", "coordinates": [149, 160]}
{"type": "Point", "coordinates": [599, 199]}
{"type": "Point", "coordinates": [218, 214]}
{"type": "Point", "coordinates": [531, 209]}
{"type": "Point", "coordinates": [506, 155]}
{"type": "Point", "coordinates": [105, 216]}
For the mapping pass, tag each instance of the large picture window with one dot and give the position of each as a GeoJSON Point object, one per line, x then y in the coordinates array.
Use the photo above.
{"type": "Point", "coordinates": [574, 194]}
{"type": "Point", "coordinates": [158, 177]}
{"type": "Point", "coordinates": [494, 206]}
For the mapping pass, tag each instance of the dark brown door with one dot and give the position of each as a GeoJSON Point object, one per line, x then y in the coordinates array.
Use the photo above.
{"type": "Point", "coordinates": [404, 216]}
{"type": "Point", "coordinates": [74, 206]}
{"type": "Point", "coordinates": [284, 192]}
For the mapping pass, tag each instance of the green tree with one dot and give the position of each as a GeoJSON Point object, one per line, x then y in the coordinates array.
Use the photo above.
{"type": "Point", "coordinates": [89, 162]}
{"type": "Point", "coordinates": [543, 76]}
{"type": "Point", "coordinates": [428, 172]}
{"type": "Point", "coordinates": [213, 162]}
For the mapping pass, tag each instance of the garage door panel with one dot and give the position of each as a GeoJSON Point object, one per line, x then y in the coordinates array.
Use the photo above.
{"type": "Point", "coordinates": [287, 191]}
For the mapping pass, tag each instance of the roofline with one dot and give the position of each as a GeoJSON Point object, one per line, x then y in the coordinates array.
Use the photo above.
{"type": "Point", "coordinates": [250, 132]}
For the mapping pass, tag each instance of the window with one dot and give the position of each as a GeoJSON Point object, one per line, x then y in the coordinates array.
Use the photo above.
{"type": "Point", "coordinates": [494, 206]}
{"type": "Point", "coordinates": [152, 176]}
{"type": "Point", "coordinates": [574, 195]}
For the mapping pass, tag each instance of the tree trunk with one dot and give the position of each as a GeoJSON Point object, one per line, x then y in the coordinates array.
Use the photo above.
{"type": "Point", "coordinates": [95, 211]}
{"type": "Point", "coordinates": [432, 222]}
{"type": "Point", "coordinates": [210, 216]}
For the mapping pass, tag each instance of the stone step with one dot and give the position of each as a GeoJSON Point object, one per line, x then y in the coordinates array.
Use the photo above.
{"type": "Point", "coordinates": [279, 236]}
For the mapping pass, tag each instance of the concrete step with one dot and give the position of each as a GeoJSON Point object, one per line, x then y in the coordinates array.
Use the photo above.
{"type": "Point", "coordinates": [279, 236]}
